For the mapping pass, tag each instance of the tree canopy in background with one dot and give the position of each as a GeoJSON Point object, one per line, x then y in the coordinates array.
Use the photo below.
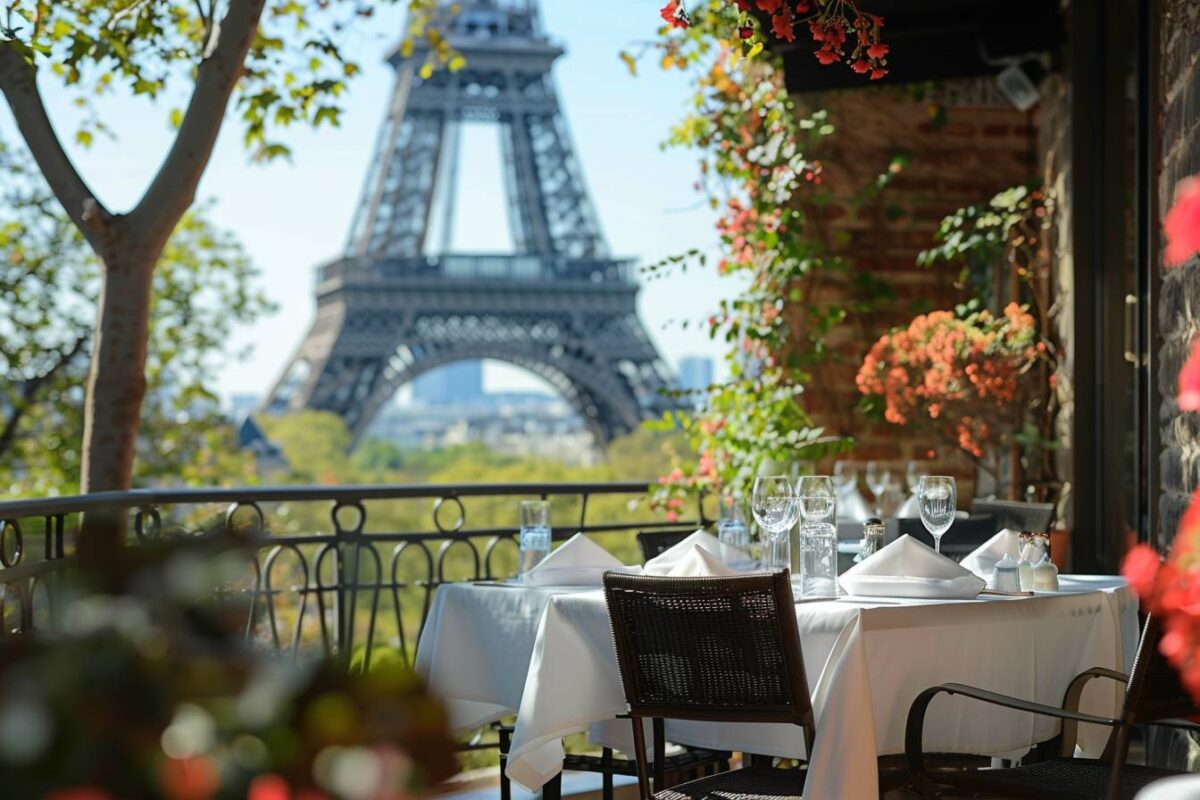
{"type": "Point", "coordinates": [279, 62]}
{"type": "Point", "coordinates": [204, 287]}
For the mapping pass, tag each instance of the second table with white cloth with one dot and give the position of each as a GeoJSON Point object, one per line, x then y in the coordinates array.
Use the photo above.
{"type": "Point", "coordinates": [547, 654]}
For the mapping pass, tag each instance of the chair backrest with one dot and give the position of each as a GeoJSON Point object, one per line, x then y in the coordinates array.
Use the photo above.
{"type": "Point", "coordinates": [1015, 515]}
{"type": "Point", "coordinates": [721, 649]}
{"type": "Point", "coordinates": [1155, 691]}
{"type": "Point", "coordinates": [654, 543]}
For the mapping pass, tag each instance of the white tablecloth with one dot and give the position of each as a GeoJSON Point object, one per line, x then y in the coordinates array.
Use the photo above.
{"type": "Point", "coordinates": [547, 654]}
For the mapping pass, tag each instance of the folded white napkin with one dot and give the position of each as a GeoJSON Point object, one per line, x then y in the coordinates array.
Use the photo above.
{"type": "Point", "coordinates": [577, 562]}
{"type": "Point", "coordinates": [664, 562]}
{"type": "Point", "coordinates": [909, 509]}
{"type": "Point", "coordinates": [909, 568]}
{"type": "Point", "coordinates": [984, 558]}
{"type": "Point", "coordinates": [700, 563]}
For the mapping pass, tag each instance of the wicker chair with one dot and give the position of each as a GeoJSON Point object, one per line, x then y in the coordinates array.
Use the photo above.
{"type": "Point", "coordinates": [1016, 515]}
{"type": "Point", "coordinates": [715, 649]}
{"type": "Point", "coordinates": [1153, 694]}
{"type": "Point", "coordinates": [655, 543]}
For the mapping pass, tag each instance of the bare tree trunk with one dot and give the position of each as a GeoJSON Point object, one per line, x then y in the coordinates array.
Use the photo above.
{"type": "Point", "coordinates": [116, 382]}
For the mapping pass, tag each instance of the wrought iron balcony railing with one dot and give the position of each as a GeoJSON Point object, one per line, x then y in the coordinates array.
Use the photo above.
{"type": "Point", "coordinates": [344, 570]}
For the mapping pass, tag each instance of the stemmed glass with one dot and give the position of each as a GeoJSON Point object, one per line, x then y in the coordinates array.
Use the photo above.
{"type": "Point", "coordinates": [773, 504]}
{"type": "Point", "coordinates": [913, 474]}
{"type": "Point", "coordinates": [817, 498]}
{"type": "Point", "coordinates": [936, 498]}
{"type": "Point", "coordinates": [878, 478]}
{"type": "Point", "coordinates": [845, 475]}
{"type": "Point", "coordinates": [818, 536]}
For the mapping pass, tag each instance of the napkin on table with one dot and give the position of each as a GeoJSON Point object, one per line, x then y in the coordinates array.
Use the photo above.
{"type": "Point", "coordinates": [909, 568]}
{"type": "Point", "coordinates": [983, 559]}
{"type": "Point", "coordinates": [700, 563]}
{"type": "Point", "coordinates": [664, 562]}
{"type": "Point", "coordinates": [577, 562]}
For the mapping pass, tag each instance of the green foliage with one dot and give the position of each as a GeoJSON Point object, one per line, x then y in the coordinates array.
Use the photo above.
{"type": "Point", "coordinates": [203, 288]}
{"type": "Point", "coordinates": [296, 71]}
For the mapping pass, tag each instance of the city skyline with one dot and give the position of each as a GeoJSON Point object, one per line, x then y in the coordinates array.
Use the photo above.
{"type": "Point", "coordinates": [617, 122]}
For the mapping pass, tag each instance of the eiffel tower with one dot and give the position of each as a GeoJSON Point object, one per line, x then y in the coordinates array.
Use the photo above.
{"type": "Point", "coordinates": [396, 306]}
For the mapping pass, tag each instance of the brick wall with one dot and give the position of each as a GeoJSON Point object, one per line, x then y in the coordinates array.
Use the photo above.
{"type": "Point", "coordinates": [1179, 301]}
{"type": "Point", "coordinates": [984, 145]}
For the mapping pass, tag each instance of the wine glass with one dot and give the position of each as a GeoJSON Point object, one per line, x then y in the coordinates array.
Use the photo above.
{"type": "Point", "coordinates": [878, 478]}
{"type": "Point", "coordinates": [773, 504]}
{"type": "Point", "coordinates": [818, 536]}
{"type": "Point", "coordinates": [936, 498]}
{"type": "Point", "coordinates": [913, 474]}
{"type": "Point", "coordinates": [845, 475]}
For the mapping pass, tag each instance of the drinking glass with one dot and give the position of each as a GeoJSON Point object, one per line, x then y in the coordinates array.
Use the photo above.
{"type": "Point", "coordinates": [774, 507]}
{"type": "Point", "coordinates": [845, 475]}
{"type": "Point", "coordinates": [913, 474]}
{"type": "Point", "coordinates": [731, 527]}
{"type": "Point", "coordinates": [817, 498]}
{"type": "Point", "coordinates": [878, 478]}
{"type": "Point", "coordinates": [818, 536]}
{"type": "Point", "coordinates": [936, 498]}
{"type": "Point", "coordinates": [534, 539]}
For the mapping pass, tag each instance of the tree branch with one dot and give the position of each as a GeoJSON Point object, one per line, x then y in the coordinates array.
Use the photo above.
{"type": "Point", "coordinates": [30, 389]}
{"type": "Point", "coordinates": [18, 82]}
{"type": "Point", "coordinates": [174, 187]}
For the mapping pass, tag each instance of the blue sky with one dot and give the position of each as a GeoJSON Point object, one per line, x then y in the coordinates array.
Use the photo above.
{"type": "Point", "coordinates": [292, 216]}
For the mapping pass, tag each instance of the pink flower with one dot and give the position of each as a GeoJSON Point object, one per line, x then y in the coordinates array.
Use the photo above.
{"type": "Point", "coordinates": [1188, 393]}
{"type": "Point", "coordinates": [1140, 568]}
{"type": "Point", "coordinates": [1182, 223]}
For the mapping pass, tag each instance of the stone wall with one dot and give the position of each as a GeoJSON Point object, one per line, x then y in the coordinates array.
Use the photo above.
{"type": "Point", "coordinates": [980, 146]}
{"type": "Point", "coordinates": [1179, 301]}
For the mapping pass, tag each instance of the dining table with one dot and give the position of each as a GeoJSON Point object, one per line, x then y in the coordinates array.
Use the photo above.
{"type": "Point", "coordinates": [545, 653]}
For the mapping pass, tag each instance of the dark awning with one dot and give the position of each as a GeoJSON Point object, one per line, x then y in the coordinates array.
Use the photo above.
{"type": "Point", "coordinates": [935, 39]}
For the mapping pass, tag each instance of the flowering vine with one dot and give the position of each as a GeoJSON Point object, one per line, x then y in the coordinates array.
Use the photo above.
{"type": "Point", "coordinates": [836, 26]}
{"type": "Point", "coordinates": [760, 168]}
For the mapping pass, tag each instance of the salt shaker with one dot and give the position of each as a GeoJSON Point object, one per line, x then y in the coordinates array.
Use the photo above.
{"type": "Point", "coordinates": [872, 539]}
{"type": "Point", "coordinates": [1006, 576]}
{"type": "Point", "coordinates": [1025, 568]}
{"type": "Point", "coordinates": [1045, 576]}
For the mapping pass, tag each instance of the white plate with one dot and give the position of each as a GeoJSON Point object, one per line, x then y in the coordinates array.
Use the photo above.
{"type": "Point", "coordinates": [966, 587]}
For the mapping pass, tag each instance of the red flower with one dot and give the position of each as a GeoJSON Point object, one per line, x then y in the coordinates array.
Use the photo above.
{"type": "Point", "coordinates": [827, 55]}
{"type": "Point", "coordinates": [1188, 393]}
{"type": "Point", "coordinates": [1182, 223]}
{"type": "Point", "coordinates": [877, 50]}
{"type": "Point", "coordinates": [781, 25]}
{"type": "Point", "coordinates": [803, 7]}
{"type": "Point", "coordinates": [746, 31]}
{"type": "Point", "coordinates": [743, 5]}
{"type": "Point", "coordinates": [876, 74]}
{"type": "Point", "coordinates": [675, 16]}
{"type": "Point", "coordinates": [861, 66]}
{"type": "Point", "coordinates": [769, 6]}
{"type": "Point", "coordinates": [1140, 567]}
{"type": "Point", "coordinates": [268, 787]}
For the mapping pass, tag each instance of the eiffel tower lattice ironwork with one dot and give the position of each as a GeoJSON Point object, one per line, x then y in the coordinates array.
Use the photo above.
{"type": "Point", "coordinates": [395, 306]}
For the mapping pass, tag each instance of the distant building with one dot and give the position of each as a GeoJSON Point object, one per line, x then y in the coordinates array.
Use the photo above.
{"type": "Point", "coordinates": [695, 374]}
{"type": "Point", "coordinates": [453, 385]}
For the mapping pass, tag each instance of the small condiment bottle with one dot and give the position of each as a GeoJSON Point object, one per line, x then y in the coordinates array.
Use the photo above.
{"type": "Point", "coordinates": [1005, 575]}
{"type": "Point", "coordinates": [1025, 568]}
{"type": "Point", "coordinates": [1045, 576]}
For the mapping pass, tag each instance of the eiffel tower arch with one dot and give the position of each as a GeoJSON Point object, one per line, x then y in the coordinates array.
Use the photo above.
{"type": "Point", "coordinates": [397, 305]}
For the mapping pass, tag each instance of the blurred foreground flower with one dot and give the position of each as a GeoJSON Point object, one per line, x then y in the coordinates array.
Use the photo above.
{"type": "Point", "coordinates": [149, 688]}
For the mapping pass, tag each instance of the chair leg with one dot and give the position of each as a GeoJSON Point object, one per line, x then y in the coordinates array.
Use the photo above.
{"type": "Point", "coordinates": [1120, 753]}
{"type": "Point", "coordinates": [606, 759]}
{"type": "Point", "coordinates": [660, 754]}
{"type": "Point", "coordinates": [505, 783]}
{"type": "Point", "coordinates": [639, 749]}
{"type": "Point", "coordinates": [553, 788]}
